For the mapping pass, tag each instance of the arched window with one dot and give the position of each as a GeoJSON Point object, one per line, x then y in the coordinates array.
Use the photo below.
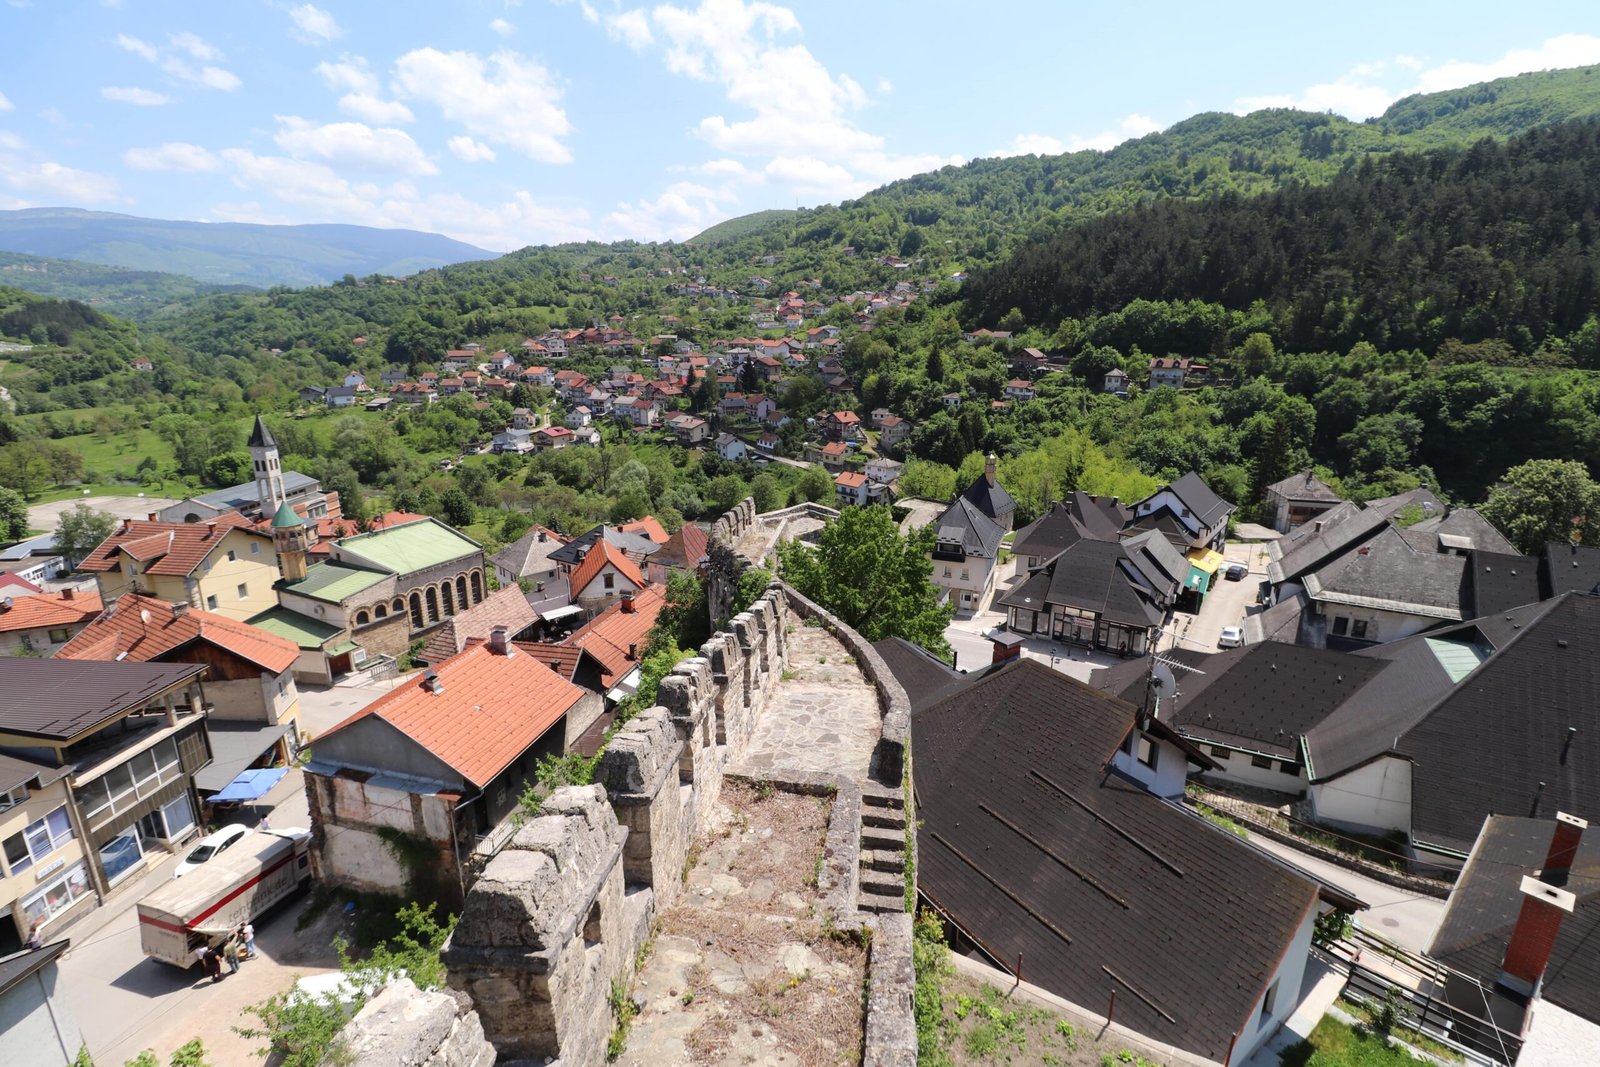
{"type": "Point", "coordinates": [477, 586]}
{"type": "Point", "coordinates": [416, 611]}
{"type": "Point", "coordinates": [449, 598]}
{"type": "Point", "coordinates": [433, 604]}
{"type": "Point", "coordinates": [362, 618]}
{"type": "Point", "coordinates": [381, 612]}
{"type": "Point", "coordinates": [461, 589]}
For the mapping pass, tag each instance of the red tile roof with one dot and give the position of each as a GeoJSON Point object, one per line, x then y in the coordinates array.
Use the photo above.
{"type": "Point", "coordinates": [176, 547]}
{"type": "Point", "coordinates": [648, 526]}
{"type": "Point", "coordinates": [487, 710]}
{"type": "Point", "coordinates": [601, 553]}
{"type": "Point", "coordinates": [608, 636]}
{"type": "Point", "coordinates": [44, 611]}
{"type": "Point", "coordinates": [126, 632]}
{"type": "Point", "coordinates": [850, 479]}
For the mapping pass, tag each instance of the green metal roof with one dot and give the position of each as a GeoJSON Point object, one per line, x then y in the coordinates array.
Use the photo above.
{"type": "Point", "coordinates": [286, 517]}
{"type": "Point", "coordinates": [341, 648]}
{"type": "Point", "coordinates": [1458, 658]}
{"type": "Point", "coordinates": [333, 582]}
{"type": "Point", "coordinates": [301, 629]}
{"type": "Point", "coordinates": [413, 547]}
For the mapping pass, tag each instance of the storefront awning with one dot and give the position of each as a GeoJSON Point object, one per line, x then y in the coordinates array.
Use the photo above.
{"type": "Point", "coordinates": [1205, 559]}
{"type": "Point", "coordinates": [250, 785]}
{"type": "Point", "coordinates": [556, 614]}
{"type": "Point", "coordinates": [235, 746]}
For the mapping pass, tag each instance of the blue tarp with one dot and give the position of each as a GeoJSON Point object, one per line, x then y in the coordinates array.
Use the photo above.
{"type": "Point", "coordinates": [250, 785]}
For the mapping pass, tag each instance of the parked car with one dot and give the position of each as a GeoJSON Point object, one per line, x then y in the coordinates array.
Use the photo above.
{"type": "Point", "coordinates": [210, 846]}
{"type": "Point", "coordinates": [1236, 572]}
{"type": "Point", "coordinates": [1232, 637]}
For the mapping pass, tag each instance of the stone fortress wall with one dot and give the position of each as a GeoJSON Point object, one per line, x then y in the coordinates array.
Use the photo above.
{"type": "Point", "coordinates": [563, 914]}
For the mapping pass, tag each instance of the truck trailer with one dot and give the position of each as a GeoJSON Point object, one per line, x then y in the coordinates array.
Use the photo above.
{"type": "Point", "coordinates": [235, 887]}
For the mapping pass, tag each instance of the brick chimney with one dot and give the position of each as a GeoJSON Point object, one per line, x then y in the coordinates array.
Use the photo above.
{"type": "Point", "coordinates": [1006, 646]}
{"type": "Point", "coordinates": [1563, 849]}
{"type": "Point", "coordinates": [211, 528]}
{"type": "Point", "coordinates": [500, 642]}
{"type": "Point", "coordinates": [633, 650]}
{"type": "Point", "coordinates": [989, 468]}
{"type": "Point", "coordinates": [69, 593]}
{"type": "Point", "coordinates": [627, 602]}
{"type": "Point", "coordinates": [151, 516]}
{"type": "Point", "coordinates": [1534, 937]}
{"type": "Point", "coordinates": [127, 524]}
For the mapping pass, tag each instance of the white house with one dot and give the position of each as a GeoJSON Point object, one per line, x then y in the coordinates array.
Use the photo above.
{"type": "Point", "coordinates": [732, 448]}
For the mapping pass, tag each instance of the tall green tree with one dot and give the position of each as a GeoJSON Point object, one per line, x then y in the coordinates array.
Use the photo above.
{"type": "Point", "coordinates": [1545, 500]}
{"type": "Point", "coordinates": [875, 579]}
{"type": "Point", "coordinates": [13, 516]}
{"type": "Point", "coordinates": [81, 529]}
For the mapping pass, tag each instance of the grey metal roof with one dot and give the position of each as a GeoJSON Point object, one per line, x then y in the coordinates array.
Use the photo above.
{"type": "Point", "coordinates": [1333, 539]}
{"type": "Point", "coordinates": [1204, 504]}
{"type": "Point", "coordinates": [1089, 576]}
{"type": "Point", "coordinates": [60, 699]}
{"type": "Point", "coordinates": [633, 544]}
{"type": "Point", "coordinates": [1462, 528]}
{"type": "Point", "coordinates": [1304, 486]}
{"type": "Point", "coordinates": [261, 436]}
{"type": "Point", "coordinates": [529, 553]}
{"type": "Point", "coordinates": [238, 496]}
{"type": "Point", "coordinates": [992, 500]}
{"type": "Point", "coordinates": [15, 771]}
{"type": "Point", "coordinates": [1389, 574]}
{"type": "Point", "coordinates": [1498, 581]}
{"type": "Point", "coordinates": [966, 524]}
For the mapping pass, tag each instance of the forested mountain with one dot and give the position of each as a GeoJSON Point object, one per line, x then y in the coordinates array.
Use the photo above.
{"type": "Point", "coordinates": [1490, 243]}
{"type": "Point", "coordinates": [974, 214]}
{"type": "Point", "coordinates": [131, 293]}
{"type": "Point", "coordinates": [227, 253]}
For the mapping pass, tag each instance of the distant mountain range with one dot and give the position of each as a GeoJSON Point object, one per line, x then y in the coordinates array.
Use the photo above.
{"type": "Point", "coordinates": [228, 253]}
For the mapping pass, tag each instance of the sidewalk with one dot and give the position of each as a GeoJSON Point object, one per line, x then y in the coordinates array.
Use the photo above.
{"type": "Point", "coordinates": [1319, 991]}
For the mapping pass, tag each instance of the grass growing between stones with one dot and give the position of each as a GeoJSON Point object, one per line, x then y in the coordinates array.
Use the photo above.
{"type": "Point", "coordinates": [746, 959]}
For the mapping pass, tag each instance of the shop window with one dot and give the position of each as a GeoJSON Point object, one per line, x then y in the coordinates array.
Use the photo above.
{"type": "Point", "coordinates": [58, 896]}
{"type": "Point", "coordinates": [122, 855]}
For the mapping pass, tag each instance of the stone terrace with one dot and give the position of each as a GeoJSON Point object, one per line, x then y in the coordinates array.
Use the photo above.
{"type": "Point", "coordinates": [743, 970]}
{"type": "Point", "coordinates": [824, 715]}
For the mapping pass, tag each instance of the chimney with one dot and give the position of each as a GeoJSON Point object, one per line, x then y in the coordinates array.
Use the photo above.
{"type": "Point", "coordinates": [627, 602]}
{"type": "Point", "coordinates": [1534, 937]}
{"type": "Point", "coordinates": [1563, 849]}
{"type": "Point", "coordinates": [1318, 526]}
{"type": "Point", "coordinates": [211, 528]}
{"type": "Point", "coordinates": [500, 643]}
{"type": "Point", "coordinates": [69, 593]}
{"type": "Point", "coordinates": [430, 682]}
{"type": "Point", "coordinates": [988, 468]}
{"type": "Point", "coordinates": [151, 516]}
{"type": "Point", "coordinates": [5, 605]}
{"type": "Point", "coordinates": [1006, 646]}
{"type": "Point", "coordinates": [541, 536]}
{"type": "Point", "coordinates": [633, 650]}
{"type": "Point", "coordinates": [179, 608]}
{"type": "Point", "coordinates": [127, 524]}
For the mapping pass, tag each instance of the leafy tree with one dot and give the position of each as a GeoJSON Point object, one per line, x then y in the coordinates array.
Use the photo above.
{"type": "Point", "coordinates": [723, 492]}
{"type": "Point", "coordinates": [228, 468]}
{"type": "Point", "coordinates": [683, 622]}
{"type": "Point", "coordinates": [24, 468]}
{"type": "Point", "coordinates": [932, 481]}
{"type": "Point", "coordinates": [515, 525]}
{"type": "Point", "coordinates": [814, 486]}
{"type": "Point", "coordinates": [764, 489]}
{"type": "Point", "coordinates": [1545, 500]}
{"type": "Point", "coordinates": [872, 577]}
{"type": "Point", "coordinates": [13, 515]}
{"type": "Point", "coordinates": [456, 508]}
{"type": "Point", "coordinates": [81, 530]}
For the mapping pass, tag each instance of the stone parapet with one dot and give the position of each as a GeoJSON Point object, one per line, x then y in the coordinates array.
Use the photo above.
{"type": "Point", "coordinates": [403, 1026]}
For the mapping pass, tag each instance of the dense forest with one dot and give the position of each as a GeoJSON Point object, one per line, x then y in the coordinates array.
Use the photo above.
{"type": "Point", "coordinates": [1490, 243]}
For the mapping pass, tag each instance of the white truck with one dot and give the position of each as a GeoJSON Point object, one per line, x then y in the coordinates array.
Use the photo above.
{"type": "Point", "coordinates": [234, 887]}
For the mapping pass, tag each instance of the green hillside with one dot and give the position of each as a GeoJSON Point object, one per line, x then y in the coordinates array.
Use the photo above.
{"type": "Point", "coordinates": [133, 294]}
{"type": "Point", "coordinates": [228, 253]}
{"type": "Point", "coordinates": [743, 226]}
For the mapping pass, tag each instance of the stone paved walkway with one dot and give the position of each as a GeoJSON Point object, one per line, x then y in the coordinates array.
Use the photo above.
{"type": "Point", "coordinates": [823, 717]}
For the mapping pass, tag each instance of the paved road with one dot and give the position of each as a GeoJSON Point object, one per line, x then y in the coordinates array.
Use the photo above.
{"type": "Point", "coordinates": [1401, 915]}
{"type": "Point", "coordinates": [1226, 605]}
{"type": "Point", "coordinates": [48, 516]}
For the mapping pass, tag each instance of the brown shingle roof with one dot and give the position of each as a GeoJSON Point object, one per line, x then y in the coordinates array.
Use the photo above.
{"type": "Point", "coordinates": [487, 710]}
{"type": "Point", "coordinates": [143, 629]}
{"type": "Point", "coordinates": [177, 548]}
{"type": "Point", "coordinates": [60, 699]}
{"type": "Point", "coordinates": [506, 607]}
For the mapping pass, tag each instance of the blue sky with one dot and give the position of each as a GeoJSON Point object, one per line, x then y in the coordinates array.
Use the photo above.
{"type": "Point", "coordinates": [510, 122]}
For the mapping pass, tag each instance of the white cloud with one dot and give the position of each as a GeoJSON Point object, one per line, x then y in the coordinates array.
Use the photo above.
{"type": "Point", "coordinates": [5, 104]}
{"type": "Point", "coordinates": [353, 146]}
{"type": "Point", "coordinates": [137, 47]}
{"type": "Point", "coordinates": [197, 49]}
{"type": "Point", "coordinates": [312, 192]}
{"type": "Point", "coordinates": [632, 28]}
{"type": "Point", "coordinates": [1369, 88]}
{"type": "Point", "coordinates": [23, 174]}
{"type": "Point", "coordinates": [681, 211]}
{"type": "Point", "coordinates": [135, 96]}
{"type": "Point", "coordinates": [506, 99]}
{"type": "Point", "coordinates": [174, 155]}
{"type": "Point", "coordinates": [363, 100]}
{"type": "Point", "coordinates": [371, 109]}
{"type": "Point", "coordinates": [312, 25]}
{"type": "Point", "coordinates": [502, 27]}
{"type": "Point", "coordinates": [196, 46]}
{"type": "Point", "coordinates": [885, 86]}
{"type": "Point", "coordinates": [465, 148]}
{"type": "Point", "coordinates": [1038, 144]}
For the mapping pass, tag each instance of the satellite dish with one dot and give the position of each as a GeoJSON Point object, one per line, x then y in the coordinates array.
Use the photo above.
{"type": "Point", "coordinates": [144, 615]}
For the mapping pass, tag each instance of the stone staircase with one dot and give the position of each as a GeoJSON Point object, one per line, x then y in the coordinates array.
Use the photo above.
{"type": "Point", "coordinates": [883, 850]}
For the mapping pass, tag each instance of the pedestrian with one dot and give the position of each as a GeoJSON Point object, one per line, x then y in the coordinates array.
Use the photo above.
{"type": "Point", "coordinates": [248, 933]}
{"type": "Point", "coordinates": [36, 936]}
{"type": "Point", "coordinates": [213, 963]}
{"type": "Point", "coordinates": [230, 952]}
